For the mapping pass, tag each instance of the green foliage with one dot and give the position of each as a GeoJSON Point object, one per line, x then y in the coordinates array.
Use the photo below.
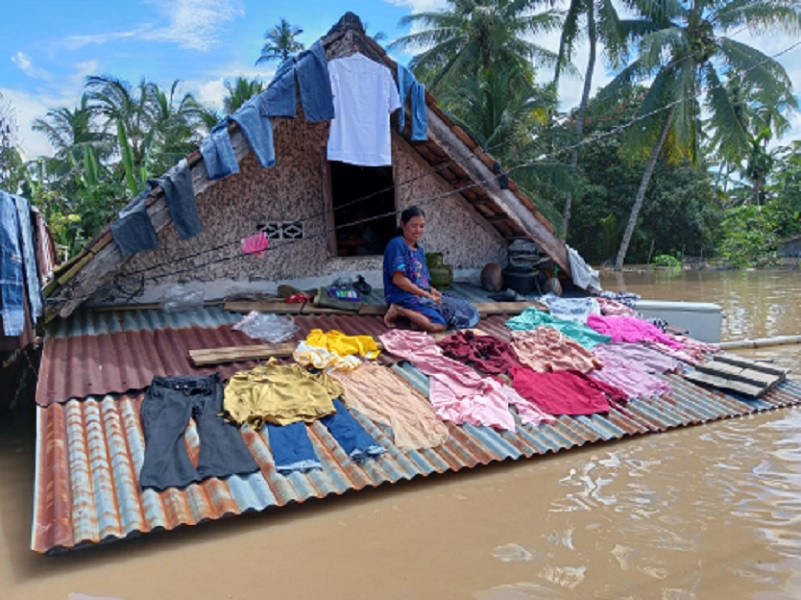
{"type": "Point", "coordinates": [750, 235]}
{"type": "Point", "coordinates": [280, 42]}
{"type": "Point", "coordinates": [471, 34]}
{"type": "Point", "coordinates": [682, 212]}
{"type": "Point", "coordinates": [666, 260]}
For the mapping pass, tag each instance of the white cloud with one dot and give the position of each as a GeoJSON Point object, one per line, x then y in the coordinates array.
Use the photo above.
{"type": "Point", "coordinates": [191, 24]}
{"type": "Point", "coordinates": [420, 5]}
{"type": "Point", "coordinates": [25, 64]}
{"type": "Point", "coordinates": [194, 24]}
{"type": "Point", "coordinates": [74, 42]}
{"type": "Point", "coordinates": [27, 107]}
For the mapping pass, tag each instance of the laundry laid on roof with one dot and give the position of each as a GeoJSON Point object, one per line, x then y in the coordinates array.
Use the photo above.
{"type": "Point", "coordinates": [279, 394]}
{"type": "Point", "coordinates": [385, 397]}
{"type": "Point", "coordinates": [565, 392]}
{"type": "Point", "coordinates": [612, 308]}
{"type": "Point", "coordinates": [631, 376]}
{"type": "Point", "coordinates": [630, 329]}
{"type": "Point", "coordinates": [168, 406]}
{"type": "Point", "coordinates": [531, 318]}
{"type": "Point", "coordinates": [293, 451]}
{"type": "Point", "coordinates": [458, 393]}
{"type": "Point", "coordinates": [547, 349]}
{"type": "Point", "coordinates": [484, 353]}
{"type": "Point", "coordinates": [342, 344]}
{"type": "Point", "coordinates": [645, 357]}
{"type": "Point", "coordinates": [570, 309]}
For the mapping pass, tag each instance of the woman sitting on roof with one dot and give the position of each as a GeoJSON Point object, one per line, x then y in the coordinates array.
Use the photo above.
{"type": "Point", "coordinates": [407, 288]}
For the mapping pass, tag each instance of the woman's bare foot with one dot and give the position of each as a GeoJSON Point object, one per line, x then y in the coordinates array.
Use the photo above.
{"type": "Point", "coordinates": [391, 315]}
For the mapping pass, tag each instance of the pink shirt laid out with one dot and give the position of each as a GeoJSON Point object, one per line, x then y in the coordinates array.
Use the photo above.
{"type": "Point", "coordinates": [565, 392]}
{"type": "Point", "coordinates": [548, 349]}
{"type": "Point", "coordinates": [629, 375]}
{"type": "Point", "coordinates": [630, 329]}
{"type": "Point", "coordinates": [457, 392]}
{"type": "Point", "coordinates": [644, 357]}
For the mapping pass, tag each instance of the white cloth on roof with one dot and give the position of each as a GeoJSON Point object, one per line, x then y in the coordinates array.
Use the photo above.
{"type": "Point", "coordinates": [364, 97]}
{"type": "Point", "coordinates": [584, 276]}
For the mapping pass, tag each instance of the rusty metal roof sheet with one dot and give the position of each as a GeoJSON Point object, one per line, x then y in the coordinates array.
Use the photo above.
{"type": "Point", "coordinates": [120, 351]}
{"type": "Point", "coordinates": [89, 453]}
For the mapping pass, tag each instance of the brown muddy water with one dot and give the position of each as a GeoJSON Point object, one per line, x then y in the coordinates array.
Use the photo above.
{"type": "Point", "coordinates": [712, 511]}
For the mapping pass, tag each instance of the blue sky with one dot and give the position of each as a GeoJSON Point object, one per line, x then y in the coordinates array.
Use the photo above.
{"type": "Point", "coordinates": [48, 47]}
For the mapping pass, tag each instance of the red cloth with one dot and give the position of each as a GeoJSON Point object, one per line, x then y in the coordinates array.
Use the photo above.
{"type": "Point", "coordinates": [565, 392]}
{"type": "Point", "coordinates": [484, 353]}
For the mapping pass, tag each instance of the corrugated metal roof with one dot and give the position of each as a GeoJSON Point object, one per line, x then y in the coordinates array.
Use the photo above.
{"type": "Point", "coordinates": [126, 349]}
{"type": "Point", "coordinates": [89, 454]}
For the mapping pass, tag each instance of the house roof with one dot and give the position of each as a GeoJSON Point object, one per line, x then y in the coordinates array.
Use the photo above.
{"type": "Point", "coordinates": [89, 450]}
{"type": "Point", "coordinates": [457, 157]}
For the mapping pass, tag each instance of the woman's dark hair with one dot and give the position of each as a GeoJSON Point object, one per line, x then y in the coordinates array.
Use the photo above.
{"type": "Point", "coordinates": [407, 215]}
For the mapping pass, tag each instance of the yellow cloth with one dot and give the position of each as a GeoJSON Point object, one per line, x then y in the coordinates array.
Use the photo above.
{"type": "Point", "coordinates": [280, 394]}
{"type": "Point", "coordinates": [342, 344]}
{"type": "Point", "coordinates": [322, 359]}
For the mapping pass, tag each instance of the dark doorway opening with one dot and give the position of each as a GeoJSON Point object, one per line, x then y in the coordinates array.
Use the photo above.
{"type": "Point", "coordinates": [361, 196]}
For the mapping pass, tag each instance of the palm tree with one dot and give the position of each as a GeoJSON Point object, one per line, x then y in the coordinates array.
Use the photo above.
{"type": "Point", "coordinates": [174, 123]}
{"type": "Point", "coordinates": [604, 25]}
{"type": "Point", "coordinates": [69, 130]}
{"type": "Point", "coordinates": [240, 91]}
{"type": "Point", "coordinates": [123, 110]}
{"type": "Point", "coordinates": [690, 58]}
{"type": "Point", "coordinates": [503, 111]}
{"type": "Point", "coordinates": [475, 34]}
{"type": "Point", "coordinates": [281, 42]}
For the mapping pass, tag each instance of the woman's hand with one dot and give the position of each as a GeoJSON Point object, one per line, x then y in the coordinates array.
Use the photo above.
{"type": "Point", "coordinates": [435, 295]}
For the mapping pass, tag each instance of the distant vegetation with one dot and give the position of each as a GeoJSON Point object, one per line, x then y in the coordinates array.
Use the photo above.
{"type": "Point", "coordinates": [677, 156]}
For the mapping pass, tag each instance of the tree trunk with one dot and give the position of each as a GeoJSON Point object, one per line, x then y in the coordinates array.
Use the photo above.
{"type": "Point", "coordinates": [592, 34]}
{"type": "Point", "coordinates": [646, 179]}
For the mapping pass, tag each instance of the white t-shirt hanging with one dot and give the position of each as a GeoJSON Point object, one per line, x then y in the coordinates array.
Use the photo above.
{"type": "Point", "coordinates": [364, 96]}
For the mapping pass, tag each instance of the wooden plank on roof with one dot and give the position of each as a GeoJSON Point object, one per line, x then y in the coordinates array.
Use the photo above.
{"type": "Point", "coordinates": [216, 356]}
{"type": "Point", "coordinates": [265, 306]}
{"type": "Point", "coordinates": [733, 359]}
{"type": "Point", "coordinates": [727, 384]}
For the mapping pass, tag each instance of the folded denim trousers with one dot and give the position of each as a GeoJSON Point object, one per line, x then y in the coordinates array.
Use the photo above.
{"type": "Point", "coordinates": [168, 405]}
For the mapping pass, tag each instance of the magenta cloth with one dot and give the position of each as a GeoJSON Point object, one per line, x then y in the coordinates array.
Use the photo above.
{"type": "Point", "coordinates": [565, 392]}
{"type": "Point", "coordinates": [458, 393]}
{"type": "Point", "coordinates": [630, 329]}
{"type": "Point", "coordinates": [255, 244]}
{"type": "Point", "coordinates": [623, 370]}
{"type": "Point", "coordinates": [484, 353]}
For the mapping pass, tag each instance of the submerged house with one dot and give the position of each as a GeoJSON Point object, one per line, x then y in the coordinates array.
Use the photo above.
{"type": "Point", "coordinates": [305, 201]}
{"type": "Point", "coordinates": [109, 332]}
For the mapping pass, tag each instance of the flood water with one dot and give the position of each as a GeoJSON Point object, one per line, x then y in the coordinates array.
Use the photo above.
{"type": "Point", "coordinates": [706, 512]}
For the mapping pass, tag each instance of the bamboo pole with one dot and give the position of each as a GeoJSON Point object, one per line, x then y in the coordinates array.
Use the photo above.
{"type": "Point", "coordinates": [780, 340]}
